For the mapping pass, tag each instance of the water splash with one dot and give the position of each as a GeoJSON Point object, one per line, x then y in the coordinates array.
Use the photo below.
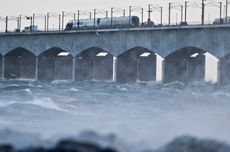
{"type": "Point", "coordinates": [147, 113]}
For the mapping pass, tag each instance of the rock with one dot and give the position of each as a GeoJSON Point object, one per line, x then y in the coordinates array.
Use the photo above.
{"type": "Point", "coordinates": [67, 145]}
{"type": "Point", "coordinates": [7, 148]}
{"type": "Point", "coordinates": [191, 144]}
{"type": "Point", "coordinates": [36, 149]}
{"type": "Point", "coordinates": [78, 146]}
{"type": "Point", "coordinates": [75, 146]}
{"type": "Point", "coordinates": [104, 140]}
{"type": "Point", "coordinates": [107, 150]}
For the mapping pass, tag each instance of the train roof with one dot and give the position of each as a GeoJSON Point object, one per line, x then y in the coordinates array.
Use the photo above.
{"type": "Point", "coordinates": [102, 18]}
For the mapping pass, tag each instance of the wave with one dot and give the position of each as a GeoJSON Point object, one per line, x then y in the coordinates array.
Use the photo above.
{"type": "Point", "coordinates": [37, 110]}
{"type": "Point", "coordinates": [147, 114]}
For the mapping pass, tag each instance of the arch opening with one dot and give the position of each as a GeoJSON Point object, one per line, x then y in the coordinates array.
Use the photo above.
{"type": "Point", "coordinates": [94, 64]}
{"type": "Point", "coordinates": [189, 65]}
{"type": "Point", "coordinates": [19, 64]}
{"type": "Point", "coordinates": [137, 65]}
{"type": "Point", "coordinates": [55, 64]}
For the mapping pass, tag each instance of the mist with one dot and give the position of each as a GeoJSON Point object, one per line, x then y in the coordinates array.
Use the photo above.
{"type": "Point", "coordinates": [144, 115]}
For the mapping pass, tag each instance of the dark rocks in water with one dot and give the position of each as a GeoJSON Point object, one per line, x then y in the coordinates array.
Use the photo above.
{"type": "Point", "coordinates": [107, 150]}
{"type": "Point", "coordinates": [191, 144]}
{"type": "Point", "coordinates": [105, 140]}
{"type": "Point", "coordinates": [67, 145]}
{"type": "Point", "coordinates": [180, 144]}
{"type": "Point", "coordinates": [36, 149]}
{"type": "Point", "coordinates": [75, 146]}
{"type": "Point", "coordinates": [7, 148]}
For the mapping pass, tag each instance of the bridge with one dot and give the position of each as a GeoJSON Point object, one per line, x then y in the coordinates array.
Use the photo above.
{"type": "Point", "coordinates": [187, 53]}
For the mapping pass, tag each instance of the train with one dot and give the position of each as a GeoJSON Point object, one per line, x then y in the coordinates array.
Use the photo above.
{"type": "Point", "coordinates": [124, 21]}
{"type": "Point", "coordinates": [222, 20]}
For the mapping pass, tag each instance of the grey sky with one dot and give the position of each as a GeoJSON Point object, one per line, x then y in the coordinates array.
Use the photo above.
{"type": "Point", "coordinates": [28, 7]}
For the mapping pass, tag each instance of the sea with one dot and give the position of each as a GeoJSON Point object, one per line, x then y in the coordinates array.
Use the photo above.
{"type": "Point", "coordinates": [129, 117]}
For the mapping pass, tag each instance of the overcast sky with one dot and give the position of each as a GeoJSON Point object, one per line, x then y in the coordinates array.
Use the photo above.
{"type": "Point", "coordinates": [28, 7]}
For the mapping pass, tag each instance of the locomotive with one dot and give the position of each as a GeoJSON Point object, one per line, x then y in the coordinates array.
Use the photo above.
{"type": "Point", "coordinates": [124, 21]}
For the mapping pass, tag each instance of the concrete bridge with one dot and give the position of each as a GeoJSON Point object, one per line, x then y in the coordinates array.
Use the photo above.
{"type": "Point", "coordinates": [123, 55]}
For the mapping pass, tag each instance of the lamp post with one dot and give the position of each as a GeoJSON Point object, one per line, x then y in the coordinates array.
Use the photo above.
{"type": "Point", "coordinates": [134, 8]}
{"type": "Point", "coordinates": [31, 22]}
{"type": "Point", "coordinates": [82, 12]}
{"type": "Point", "coordinates": [149, 13]}
{"type": "Point", "coordinates": [47, 21]}
{"type": "Point", "coordinates": [45, 25]}
{"type": "Point", "coordinates": [176, 6]}
{"type": "Point", "coordinates": [98, 12]}
{"type": "Point", "coordinates": [6, 30]}
{"type": "Point", "coordinates": [226, 11]}
{"type": "Point", "coordinates": [20, 22]}
{"type": "Point", "coordinates": [170, 6]}
{"type": "Point", "coordinates": [158, 8]}
{"type": "Point", "coordinates": [181, 13]}
{"type": "Point", "coordinates": [220, 10]}
{"type": "Point", "coordinates": [106, 14]}
{"type": "Point", "coordinates": [2, 19]}
{"type": "Point", "coordinates": [94, 17]}
{"type": "Point", "coordinates": [78, 19]}
{"type": "Point", "coordinates": [62, 18]}
{"type": "Point", "coordinates": [185, 11]}
{"type": "Point", "coordinates": [114, 10]}
{"type": "Point", "coordinates": [202, 14]}
{"type": "Point", "coordinates": [7, 19]}
{"type": "Point", "coordinates": [130, 13]}
{"type": "Point", "coordinates": [189, 4]}
{"type": "Point", "coordinates": [219, 5]}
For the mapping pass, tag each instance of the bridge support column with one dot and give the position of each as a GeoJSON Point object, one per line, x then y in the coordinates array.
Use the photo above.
{"type": "Point", "coordinates": [73, 70]}
{"type": "Point", "coordinates": [114, 69]}
{"type": "Point", "coordinates": [3, 66]}
{"type": "Point", "coordinates": [36, 70]}
{"type": "Point", "coordinates": [218, 73]}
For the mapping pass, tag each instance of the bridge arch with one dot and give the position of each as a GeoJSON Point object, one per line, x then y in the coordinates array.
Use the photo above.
{"type": "Point", "coordinates": [55, 64]}
{"type": "Point", "coordinates": [94, 63]}
{"type": "Point", "coordinates": [19, 63]}
{"type": "Point", "coordinates": [190, 64]}
{"type": "Point", "coordinates": [137, 64]}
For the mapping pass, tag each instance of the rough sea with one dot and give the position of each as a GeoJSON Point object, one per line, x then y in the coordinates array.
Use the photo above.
{"type": "Point", "coordinates": [129, 117]}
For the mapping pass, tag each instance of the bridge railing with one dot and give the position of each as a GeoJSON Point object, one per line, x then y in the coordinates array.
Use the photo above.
{"type": "Point", "coordinates": [173, 24]}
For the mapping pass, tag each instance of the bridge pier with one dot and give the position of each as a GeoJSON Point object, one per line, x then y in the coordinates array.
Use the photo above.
{"type": "Point", "coordinates": [36, 70]}
{"type": "Point", "coordinates": [224, 70]}
{"type": "Point", "coordinates": [3, 67]}
{"type": "Point", "coordinates": [114, 69]}
{"type": "Point", "coordinates": [73, 69]}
